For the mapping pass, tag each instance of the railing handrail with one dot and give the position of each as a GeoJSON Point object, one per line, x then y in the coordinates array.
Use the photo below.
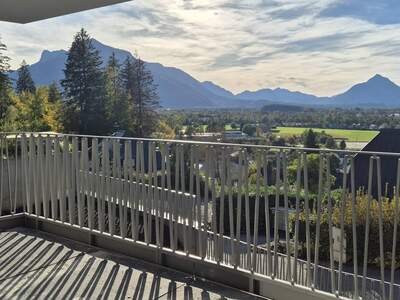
{"type": "Point", "coordinates": [219, 144]}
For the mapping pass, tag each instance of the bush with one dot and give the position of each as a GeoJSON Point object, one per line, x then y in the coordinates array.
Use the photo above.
{"type": "Point", "coordinates": [388, 213]}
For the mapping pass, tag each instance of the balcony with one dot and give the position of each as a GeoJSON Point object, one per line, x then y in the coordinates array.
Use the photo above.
{"type": "Point", "coordinates": [274, 221]}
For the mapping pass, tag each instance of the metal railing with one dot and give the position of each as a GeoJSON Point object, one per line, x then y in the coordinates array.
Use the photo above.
{"type": "Point", "coordinates": [336, 230]}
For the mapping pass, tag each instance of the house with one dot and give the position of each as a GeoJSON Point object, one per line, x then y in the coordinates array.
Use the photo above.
{"type": "Point", "coordinates": [388, 140]}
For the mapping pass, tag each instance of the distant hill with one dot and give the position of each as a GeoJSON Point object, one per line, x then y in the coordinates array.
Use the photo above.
{"type": "Point", "coordinates": [377, 91]}
{"type": "Point", "coordinates": [177, 89]}
{"type": "Point", "coordinates": [281, 96]}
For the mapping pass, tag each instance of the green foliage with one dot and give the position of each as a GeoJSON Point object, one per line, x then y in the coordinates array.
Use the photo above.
{"type": "Point", "coordinates": [330, 143]}
{"type": "Point", "coordinates": [119, 109]}
{"type": "Point", "coordinates": [361, 209]}
{"type": "Point", "coordinates": [141, 93]}
{"type": "Point", "coordinates": [25, 82]}
{"type": "Point", "coordinates": [34, 112]}
{"type": "Point", "coordinates": [342, 145]}
{"type": "Point", "coordinates": [5, 100]}
{"type": "Point", "coordinates": [249, 129]}
{"type": "Point", "coordinates": [84, 88]}
{"type": "Point", "coordinates": [310, 139]}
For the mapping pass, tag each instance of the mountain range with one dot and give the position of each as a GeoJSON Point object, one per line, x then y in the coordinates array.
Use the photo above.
{"type": "Point", "coordinates": [177, 89]}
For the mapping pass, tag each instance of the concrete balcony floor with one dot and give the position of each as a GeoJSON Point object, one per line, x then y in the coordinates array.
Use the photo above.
{"type": "Point", "coordinates": [37, 265]}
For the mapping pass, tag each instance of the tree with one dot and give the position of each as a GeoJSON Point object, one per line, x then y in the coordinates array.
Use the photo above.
{"type": "Point", "coordinates": [118, 107]}
{"type": "Point", "coordinates": [25, 82]}
{"type": "Point", "coordinates": [249, 129]}
{"type": "Point", "coordinates": [330, 143]}
{"type": "Point", "coordinates": [84, 88]}
{"type": "Point", "coordinates": [142, 92]}
{"type": "Point", "coordinates": [36, 113]}
{"type": "Point", "coordinates": [310, 139]}
{"type": "Point", "coordinates": [342, 145]}
{"type": "Point", "coordinates": [54, 93]}
{"type": "Point", "coordinates": [5, 100]}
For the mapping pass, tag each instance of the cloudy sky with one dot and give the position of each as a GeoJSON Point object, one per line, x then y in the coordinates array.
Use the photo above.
{"type": "Point", "coordinates": [316, 46]}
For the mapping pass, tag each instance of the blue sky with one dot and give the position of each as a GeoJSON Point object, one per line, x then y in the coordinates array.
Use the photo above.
{"type": "Point", "coordinates": [316, 46]}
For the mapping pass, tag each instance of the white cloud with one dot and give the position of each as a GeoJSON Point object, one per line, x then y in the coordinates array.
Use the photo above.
{"type": "Point", "coordinates": [238, 44]}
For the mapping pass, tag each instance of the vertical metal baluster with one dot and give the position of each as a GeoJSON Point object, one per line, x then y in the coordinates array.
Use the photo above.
{"type": "Point", "coordinates": [17, 186]}
{"type": "Point", "coordinates": [381, 249]}
{"type": "Point", "coordinates": [175, 198]}
{"type": "Point", "coordinates": [8, 174]}
{"type": "Point", "coordinates": [286, 200]}
{"type": "Point", "coordinates": [367, 221]}
{"type": "Point", "coordinates": [239, 209]}
{"type": "Point", "coordinates": [44, 176]}
{"type": "Point", "coordinates": [31, 167]}
{"type": "Point", "coordinates": [276, 215]}
{"type": "Point", "coordinates": [267, 217]}
{"type": "Point", "coordinates": [396, 219]}
{"type": "Point", "coordinates": [214, 254]}
{"type": "Point", "coordinates": [156, 195]}
{"type": "Point", "coordinates": [204, 231]}
{"type": "Point", "coordinates": [130, 186]}
{"type": "Point", "coordinates": [317, 234]}
{"type": "Point", "coordinates": [256, 211]}
{"type": "Point", "coordinates": [79, 183]}
{"type": "Point", "coordinates": [330, 211]}
{"type": "Point", "coordinates": [354, 227]}
{"type": "Point", "coordinates": [24, 160]}
{"type": "Point", "coordinates": [169, 197]}
{"type": "Point", "coordinates": [296, 229]}
{"type": "Point", "coordinates": [150, 190]}
{"type": "Point", "coordinates": [230, 197]}
{"type": "Point", "coordinates": [85, 182]}
{"type": "Point", "coordinates": [198, 200]}
{"type": "Point", "coordinates": [247, 210]}
{"type": "Point", "coordinates": [54, 181]}
{"type": "Point", "coordinates": [211, 239]}
{"type": "Point", "coordinates": [36, 172]}
{"type": "Point", "coordinates": [125, 188]}
{"type": "Point", "coordinates": [192, 206]}
{"type": "Point", "coordinates": [67, 170]}
{"type": "Point", "coordinates": [222, 205]}
{"type": "Point", "coordinates": [107, 178]}
{"type": "Point", "coordinates": [307, 216]}
{"type": "Point", "coordinates": [342, 211]}
{"type": "Point", "coordinates": [73, 179]}
{"type": "Point", "coordinates": [119, 186]}
{"type": "Point", "coordinates": [163, 194]}
{"type": "Point", "coordinates": [95, 175]}
{"type": "Point", "coordinates": [137, 199]}
{"type": "Point", "coordinates": [183, 202]}
{"type": "Point", "coordinates": [63, 185]}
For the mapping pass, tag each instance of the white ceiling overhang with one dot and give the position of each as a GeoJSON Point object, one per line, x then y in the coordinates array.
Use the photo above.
{"type": "Point", "coordinates": [25, 11]}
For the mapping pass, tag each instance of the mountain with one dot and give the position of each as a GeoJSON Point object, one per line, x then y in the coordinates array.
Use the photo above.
{"type": "Point", "coordinates": [176, 88]}
{"type": "Point", "coordinates": [281, 96]}
{"type": "Point", "coordinates": [377, 91]}
{"type": "Point", "coordinates": [217, 90]}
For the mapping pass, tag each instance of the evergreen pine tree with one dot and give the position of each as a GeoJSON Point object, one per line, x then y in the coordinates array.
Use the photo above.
{"type": "Point", "coordinates": [5, 101]}
{"type": "Point", "coordinates": [310, 139]}
{"type": "Point", "coordinates": [84, 88]}
{"type": "Point", "coordinates": [25, 82]}
{"type": "Point", "coordinates": [142, 92]}
{"type": "Point", "coordinates": [54, 93]}
{"type": "Point", "coordinates": [118, 107]}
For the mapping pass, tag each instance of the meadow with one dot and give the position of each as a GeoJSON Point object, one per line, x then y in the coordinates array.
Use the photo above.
{"type": "Point", "coordinates": [348, 135]}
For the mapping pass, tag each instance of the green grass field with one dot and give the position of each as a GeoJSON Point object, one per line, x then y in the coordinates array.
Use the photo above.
{"type": "Point", "coordinates": [348, 135]}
